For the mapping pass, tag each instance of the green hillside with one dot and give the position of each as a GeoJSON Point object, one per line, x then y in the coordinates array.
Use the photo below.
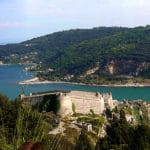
{"type": "Point", "coordinates": [104, 53]}
{"type": "Point", "coordinates": [56, 42]}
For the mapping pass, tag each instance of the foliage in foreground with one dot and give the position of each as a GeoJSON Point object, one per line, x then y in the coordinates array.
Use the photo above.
{"type": "Point", "coordinates": [123, 136]}
{"type": "Point", "coordinates": [19, 123]}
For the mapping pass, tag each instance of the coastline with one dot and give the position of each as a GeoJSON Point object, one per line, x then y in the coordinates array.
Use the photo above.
{"type": "Point", "coordinates": [5, 64]}
{"type": "Point", "coordinates": [36, 80]}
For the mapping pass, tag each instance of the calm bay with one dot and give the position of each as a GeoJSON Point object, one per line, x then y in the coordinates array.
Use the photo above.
{"type": "Point", "coordinates": [10, 75]}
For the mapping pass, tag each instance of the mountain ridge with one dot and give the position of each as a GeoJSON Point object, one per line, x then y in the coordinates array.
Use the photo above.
{"type": "Point", "coordinates": [70, 54]}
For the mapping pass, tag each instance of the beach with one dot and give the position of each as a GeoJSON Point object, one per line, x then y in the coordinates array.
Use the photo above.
{"type": "Point", "coordinates": [36, 80]}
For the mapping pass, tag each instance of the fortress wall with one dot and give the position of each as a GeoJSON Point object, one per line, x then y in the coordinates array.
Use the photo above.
{"type": "Point", "coordinates": [84, 101]}
{"type": "Point", "coordinates": [31, 100]}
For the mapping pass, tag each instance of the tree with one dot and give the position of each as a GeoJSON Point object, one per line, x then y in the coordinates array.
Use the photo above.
{"type": "Point", "coordinates": [83, 142]}
{"type": "Point", "coordinates": [108, 113]}
{"type": "Point", "coordinates": [141, 138]}
{"type": "Point", "coordinates": [103, 144]}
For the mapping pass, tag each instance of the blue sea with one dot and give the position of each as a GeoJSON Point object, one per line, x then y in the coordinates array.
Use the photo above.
{"type": "Point", "coordinates": [10, 75]}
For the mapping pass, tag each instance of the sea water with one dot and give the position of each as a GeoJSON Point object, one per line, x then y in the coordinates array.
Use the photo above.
{"type": "Point", "coordinates": [10, 75]}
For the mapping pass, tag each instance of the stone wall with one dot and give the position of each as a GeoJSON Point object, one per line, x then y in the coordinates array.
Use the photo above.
{"type": "Point", "coordinates": [83, 101]}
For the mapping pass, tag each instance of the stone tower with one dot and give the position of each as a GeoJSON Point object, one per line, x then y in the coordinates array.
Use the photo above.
{"type": "Point", "coordinates": [65, 105]}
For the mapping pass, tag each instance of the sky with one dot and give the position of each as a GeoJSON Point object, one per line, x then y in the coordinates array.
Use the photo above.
{"type": "Point", "coordinates": [22, 20]}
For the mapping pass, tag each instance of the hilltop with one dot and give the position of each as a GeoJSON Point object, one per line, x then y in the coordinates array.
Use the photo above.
{"type": "Point", "coordinates": [96, 56]}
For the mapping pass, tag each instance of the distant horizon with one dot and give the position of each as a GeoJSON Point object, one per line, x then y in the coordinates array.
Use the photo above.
{"type": "Point", "coordinates": [19, 41]}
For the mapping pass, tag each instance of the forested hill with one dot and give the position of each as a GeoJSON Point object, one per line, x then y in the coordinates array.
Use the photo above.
{"type": "Point", "coordinates": [57, 41]}
{"type": "Point", "coordinates": [87, 53]}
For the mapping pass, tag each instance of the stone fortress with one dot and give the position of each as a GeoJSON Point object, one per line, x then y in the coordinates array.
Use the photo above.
{"type": "Point", "coordinates": [83, 101]}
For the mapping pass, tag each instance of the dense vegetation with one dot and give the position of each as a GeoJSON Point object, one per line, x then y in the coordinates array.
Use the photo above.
{"type": "Point", "coordinates": [55, 43]}
{"type": "Point", "coordinates": [121, 135]}
{"type": "Point", "coordinates": [117, 53]}
{"type": "Point", "coordinates": [48, 104]}
{"type": "Point", "coordinates": [20, 123]}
